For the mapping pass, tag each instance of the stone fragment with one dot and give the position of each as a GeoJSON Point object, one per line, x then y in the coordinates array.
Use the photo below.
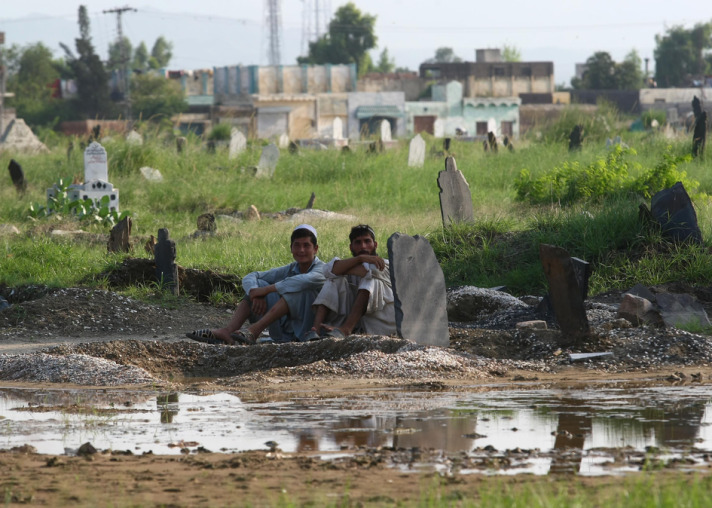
{"type": "Point", "coordinates": [470, 303]}
{"type": "Point", "coordinates": [672, 209]}
{"type": "Point", "coordinates": [536, 324]}
{"type": "Point", "coordinates": [206, 222]}
{"type": "Point", "coordinates": [574, 357]}
{"type": "Point", "coordinates": [643, 292]}
{"type": "Point", "coordinates": [120, 236]}
{"type": "Point", "coordinates": [181, 143]}
{"type": "Point", "coordinates": [86, 449]}
{"type": "Point", "coordinates": [682, 311]}
{"type": "Point", "coordinates": [565, 293]}
{"type": "Point", "coordinates": [638, 310]}
{"type": "Point", "coordinates": [455, 196]}
{"type": "Point", "coordinates": [252, 213]}
{"type": "Point", "coordinates": [166, 267]}
{"type": "Point", "coordinates": [419, 291]}
{"type": "Point", "coordinates": [238, 143]}
{"type": "Point", "coordinates": [416, 152]}
{"type": "Point", "coordinates": [151, 174]}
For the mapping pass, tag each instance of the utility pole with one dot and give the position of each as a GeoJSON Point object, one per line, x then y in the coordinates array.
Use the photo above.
{"type": "Point", "coordinates": [2, 85]}
{"type": "Point", "coordinates": [124, 57]}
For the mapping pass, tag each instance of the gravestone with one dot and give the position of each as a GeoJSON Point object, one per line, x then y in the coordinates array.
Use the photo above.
{"type": "Point", "coordinates": [455, 196]}
{"type": "Point", "coordinates": [293, 148]}
{"type": "Point", "coordinates": [446, 144]}
{"type": "Point", "coordinates": [120, 236]}
{"type": "Point", "coordinates": [268, 161]}
{"type": "Point", "coordinates": [696, 107]}
{"type": "Point", "coordinates": [385, 130]}
{"type": "Point", "coordinates": [17, 175]}
{"type": "Point", "coordinates": [672, 209]}
{"type": "Point", "coordinates": [416, 152]}
{"type": "Point", "coordinates": [492, 141]}
{"type": "Point", "coordinates": [576, 138]}
{"type": "Point", "coordinates": [419, 291]}
{"type": "Point", "coordinates": [699, 136]}
{"type": "Point", "coordinates": [166, 268]}
{"type": "Point", "coordinates": [485, 145]}
{"type": "Point", "coordinates": [180, 143]}
{"type": "Point", "coordinates": [238, 143]}
{"type": "Point", "coordinates": [95, 163]}
{"type": "Point", "coordinates": [283, 141]}
{"type": "Point", "coordinates": [206, 222]}
{"type": "Point", "coordinates": [337, 128]}
{"type": "Point", "coordinates": [151, 174]}
{"type": "Point", "coordinates": [565, 293]}
{"type": "Point", "coordinates": [508, 143]}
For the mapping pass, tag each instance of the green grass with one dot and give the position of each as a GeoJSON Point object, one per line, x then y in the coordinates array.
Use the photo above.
{"type": "Point", "coordinates": [501, 248]}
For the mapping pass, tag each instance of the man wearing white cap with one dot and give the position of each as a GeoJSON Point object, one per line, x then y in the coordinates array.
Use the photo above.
{"type": "Point", "coordinates": [280, 298]}
{"type": "Point", "coordinates": [357, 295]}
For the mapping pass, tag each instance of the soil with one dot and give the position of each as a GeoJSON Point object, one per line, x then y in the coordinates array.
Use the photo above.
{"type": "Point", "coordinates": [150, 335]}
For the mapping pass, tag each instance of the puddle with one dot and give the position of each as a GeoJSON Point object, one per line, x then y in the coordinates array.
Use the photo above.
{"type": "Point", "coordinates": [587, 431]}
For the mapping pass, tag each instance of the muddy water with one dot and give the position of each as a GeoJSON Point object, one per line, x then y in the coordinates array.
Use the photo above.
{"type": "Point", "coordinates": [542, 430]}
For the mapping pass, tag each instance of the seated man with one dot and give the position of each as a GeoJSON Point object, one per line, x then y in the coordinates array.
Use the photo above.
{"type": "Point", "coordinates": [357, 294]}
{"type": "Point", "coordinates": [280, 298]}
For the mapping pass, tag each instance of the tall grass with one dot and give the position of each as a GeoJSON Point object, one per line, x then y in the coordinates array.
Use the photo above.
{"type": "Point", "coordinates": [501, 248]}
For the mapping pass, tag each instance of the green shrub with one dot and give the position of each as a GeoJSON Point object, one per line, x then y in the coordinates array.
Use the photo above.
{"type": "Point", "coordinates": [653, 114]}
{"type": "Point", "coordinates": [221, 132]}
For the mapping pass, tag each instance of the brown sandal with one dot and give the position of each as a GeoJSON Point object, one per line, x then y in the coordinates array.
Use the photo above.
{"type": "Point", "coordinates": [244, 338]}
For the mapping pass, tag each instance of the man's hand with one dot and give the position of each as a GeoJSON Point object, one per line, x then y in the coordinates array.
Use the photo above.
{"type": "Point", "coordinates": [257, 299]}
{"type": "Point", "coordinates": [373, 260]}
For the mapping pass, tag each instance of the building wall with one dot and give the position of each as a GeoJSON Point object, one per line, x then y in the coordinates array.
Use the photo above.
{"type": "Point", "coordinates": [357, 99]}
{"type": "Point", "coordinates": [301, 113]}
{"type": "Point", "coordinates": [409, 83]}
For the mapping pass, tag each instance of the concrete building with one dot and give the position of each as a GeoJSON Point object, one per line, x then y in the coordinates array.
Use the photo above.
{"type": "Point", "coordinates": [448, 113]}
{"type": "Point", "coordinates": [490, 77]}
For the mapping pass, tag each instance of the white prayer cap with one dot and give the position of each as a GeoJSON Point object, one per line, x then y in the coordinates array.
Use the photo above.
{"type": "Point", "coordinates": [307, 227]}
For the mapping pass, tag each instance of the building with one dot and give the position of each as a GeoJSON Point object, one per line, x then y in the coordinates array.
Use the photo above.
{"type": "Point", "coordinates": [448, 113]}
{"type": "Point", "coordinates": [488, 76]}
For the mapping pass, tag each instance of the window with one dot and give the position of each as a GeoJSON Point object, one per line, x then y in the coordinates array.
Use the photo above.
{"type": "Point", "coordinates": [499, 71]}
{"type": "Point", "coordinates": [507, 128]}
{"type": "Point", "coordinates": [481, 128]}
{"type": "Point", "coordinates": [526, 72]}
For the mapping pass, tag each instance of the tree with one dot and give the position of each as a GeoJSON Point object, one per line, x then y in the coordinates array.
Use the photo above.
{"type": "Point", "coordinates": [602, 73]}
{"type": "Point", "coordinates": [92, 79]}
{"type": "Point", "coordinates": [511, 53]}
{"type": "Point", "coordinates": [350, 37]}
{"type": "Point", "coordinates": [385, 63]}
{"type": "Point", "coordinates": [120, 52]}
{"type": "Point", "coordinates": [161, 53]}
{"type": "Point", "coordinates": [140, 57]}
{"type": "Point", "coordinates": [444, 55]}
{"type": "Point", "coordinates": [680, 55]}
{"type": "Point", "coordinates": [154, 96]}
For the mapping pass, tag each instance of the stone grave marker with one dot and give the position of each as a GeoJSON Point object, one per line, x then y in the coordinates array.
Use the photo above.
{"type": "Point", "coordinates": [337, 128]}
{"type": "Point", "coordinates": [151, 174]}
{"type": "Point", "coordinates": [446, 144]}
{"type": "Point", "coordinates": [120, 236]}
{"type": "Point", "coordinates": [385, 130]}
{"type": "Point", "coordinates": [180, 143]}
{"type": "Point", "coordinates": [565, 293]}
{"type": "Point", "coordinates": [268, 161]}
{"type": "Point", "coordinates": [696, 106]}
{"type": "Point", "coordinates": [293, 148]}
{"type": "Point", "coordinates": [672, 209]}
{"type": "Point", "coordinates": [439, 128]}
{"type": "Point", "coordinates": [166, 267]}
{"type": "Point", "coordinates": [17, 176]}
{"type": "Point", "coordinates": [455, 196]}
{"type": "Point", "coordinates": [576, 138]}
{"type": "Point", "coordinates": [238, 143]}
{"type": "Point", "coordinates": [492, 141]}
{"type": "Point", "coordinates": [283, 141]}
{"type": "Point", "coordinates": [416, 152]}
{"type": "Point", "coordinates": [699, 136]}
{"type": "Point", "coordinates": [508, 143]}
{"type": "Point", "coordinates": [419, 291]}
{"type": "Point", "coordinates": [95, 163]}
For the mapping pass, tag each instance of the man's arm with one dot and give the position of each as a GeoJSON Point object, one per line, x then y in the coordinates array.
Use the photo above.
{"type": "Point", "coordinates": [355, 265]}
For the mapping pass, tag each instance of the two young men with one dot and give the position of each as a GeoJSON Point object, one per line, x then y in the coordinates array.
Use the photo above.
{"type": "Point", "coordinates": [297, 301]}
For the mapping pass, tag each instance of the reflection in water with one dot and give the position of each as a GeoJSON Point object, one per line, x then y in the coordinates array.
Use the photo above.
{"type": "Point", "coordinates": [585, 426]}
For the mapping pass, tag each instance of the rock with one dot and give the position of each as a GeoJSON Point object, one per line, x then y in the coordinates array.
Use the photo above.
{"type": "Point", "coordinates": [682, 311]}
{"type": "Point", "coordinates": [150, 174]}
{"type": "Point", "coordinates": [86, 449]}
{"type": "Point", "coordinates": [470, 303]}
{"type": "Point", "coordinates": [638, 310]}
{"type": "Point", "coordinates": [206, 222]}
{"type": "Point", "coordinates": [536, 324]}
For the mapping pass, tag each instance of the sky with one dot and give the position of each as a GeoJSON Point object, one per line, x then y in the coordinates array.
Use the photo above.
{"type": "Point", "coordinates": [210, 33]}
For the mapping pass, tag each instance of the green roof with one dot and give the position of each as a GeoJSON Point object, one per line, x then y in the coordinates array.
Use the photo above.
{"type": "Point", "coordinates": [370, 111]}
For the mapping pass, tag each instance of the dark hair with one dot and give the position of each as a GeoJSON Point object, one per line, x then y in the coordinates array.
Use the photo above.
{"type": "Point", "coordinates": [302, 233]}
{"type": "Point", "coordinates": [360, 230]}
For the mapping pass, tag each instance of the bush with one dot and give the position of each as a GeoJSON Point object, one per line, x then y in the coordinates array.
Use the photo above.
{"type": "Point", "coordinates": [653, 114]}
{"type": "Point", "coordinates": [221, 132]}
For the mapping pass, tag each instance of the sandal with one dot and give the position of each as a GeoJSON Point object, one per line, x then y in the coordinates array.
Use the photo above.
{"type": "Point", "coordinates": [244, 337]}
{"type": "Point", "coordinates": [205, 335]}
{"type": "Point", "coordinates": [311, 336]}
{"type": "Point", "coordinates": [335, 334]}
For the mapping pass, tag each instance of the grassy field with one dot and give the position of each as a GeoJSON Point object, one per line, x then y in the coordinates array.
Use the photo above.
{"type": "Point", "coordinates": [500, 248]}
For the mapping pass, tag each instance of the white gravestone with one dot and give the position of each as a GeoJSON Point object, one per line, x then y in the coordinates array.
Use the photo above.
{"type": "Point", "coordinates": [268, 161]}
{"type": "Point", "coordinates": [416, 152]}
{"type": "Point", "coordinates": [337, 129]}
{"type": "Point", "coordinates": [283, 141]}
{"type": "Point", "coordinates": [134, 138]}
{"type": "Point", "coordinates": [95, 163]}
{"type": "Point", "coordinates": [385, 130]}
{"type": "Point", "coordinates": [238, 143]}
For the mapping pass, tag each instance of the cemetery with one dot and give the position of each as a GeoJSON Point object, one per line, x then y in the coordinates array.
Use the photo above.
{"type": "Point", "coordinates": [545, 266]}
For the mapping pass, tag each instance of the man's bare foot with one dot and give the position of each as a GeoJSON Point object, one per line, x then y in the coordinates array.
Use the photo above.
{"type": "Point", "coordinates": [224, 335]}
